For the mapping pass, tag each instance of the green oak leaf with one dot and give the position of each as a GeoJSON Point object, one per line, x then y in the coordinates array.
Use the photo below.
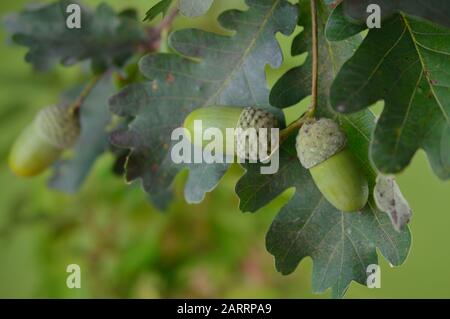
{"type": "Point", "coordinates": [406, 64]}
{"type": "Point", "coordinates": [161, 7]}
{"type": "Point", "coordinates": [341, 245]}
{"type": "Point", "coordinates": [69, 173]}
{"type": "Point", "coordinates": [179, 83]}
{"type": "Point", "coordinates": [338, 27]}
{"type": "Point", "coordinates": [105, 38]}
{"type": "Point", "coordinates": [437, 11]}
{"type": "Point", "coordinates": [194, 8]}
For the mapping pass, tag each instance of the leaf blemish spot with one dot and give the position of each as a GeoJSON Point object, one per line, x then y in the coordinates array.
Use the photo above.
{"type": "Point", "coordinates": [170, 78]}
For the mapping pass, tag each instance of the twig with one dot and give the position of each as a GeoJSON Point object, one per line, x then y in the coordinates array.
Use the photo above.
{"type": "Point", "coordinates": [293, 127]}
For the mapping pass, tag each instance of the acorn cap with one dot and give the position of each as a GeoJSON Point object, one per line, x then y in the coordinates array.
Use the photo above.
{"type": "Point", "coordinates": [254, 118]}
{"type": "Point", "coordinates": [58, 126]}
{"type": "Point", "coordinates": [318, 140]}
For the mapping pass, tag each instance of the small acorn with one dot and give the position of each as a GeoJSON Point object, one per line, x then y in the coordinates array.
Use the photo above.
{"type": "Point", "coordinates": [241, 120]}
{"type": "Point", "coordinates": [321, 148]}
{"type": "Point", "coordinates": [41, 143]}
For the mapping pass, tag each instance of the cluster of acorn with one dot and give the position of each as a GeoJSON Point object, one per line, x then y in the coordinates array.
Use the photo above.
{"type": "Point", "coordinates": [321, 147]}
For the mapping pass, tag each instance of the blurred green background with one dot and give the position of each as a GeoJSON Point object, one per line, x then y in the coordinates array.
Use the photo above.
{"type": "Point", "coordinates": [127, 248]}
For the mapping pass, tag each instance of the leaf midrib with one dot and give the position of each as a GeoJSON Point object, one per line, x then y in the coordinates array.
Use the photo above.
{"type": "Point", "coordinates": [422, 62]}
{"type": "Point", "coordinates": [376, 68]}
{"type": "Point", "coordinates": [244, 55]}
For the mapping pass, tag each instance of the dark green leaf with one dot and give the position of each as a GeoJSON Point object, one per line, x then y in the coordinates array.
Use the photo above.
{"type": "Point", "coordinates": [105, 38]}
{"type": "Point", "coordinates": [406, 63]}
{"type": "Point", "coordinates": [161, 7]}
{"type": "Point", "coordinates": [437, 11]}
{"type": "Point", "coordinates": [339, 28]}
{"type": "Point", "coordinates": [195, 8]}
{"type": "Point", "coordinates": [177, 85]}
{"type": "Point", "coordinates": [341, 245]}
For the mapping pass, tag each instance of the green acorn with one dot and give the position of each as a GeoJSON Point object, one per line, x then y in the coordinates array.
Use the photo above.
{"type": "Point", "coordinates": [241, 120]}
{"type": "Point", "coordinates": [53, 130]}
{"type": "Point", "coordinates": [321, 148]}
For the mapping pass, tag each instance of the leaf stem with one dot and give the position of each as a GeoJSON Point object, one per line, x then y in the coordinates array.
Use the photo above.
{"type": "Point", "coordinates": [159, 33]}
{"type": "Point", "coordinates": [293, 127]}
{"type": "Point", "coordinates": [76, 105]}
